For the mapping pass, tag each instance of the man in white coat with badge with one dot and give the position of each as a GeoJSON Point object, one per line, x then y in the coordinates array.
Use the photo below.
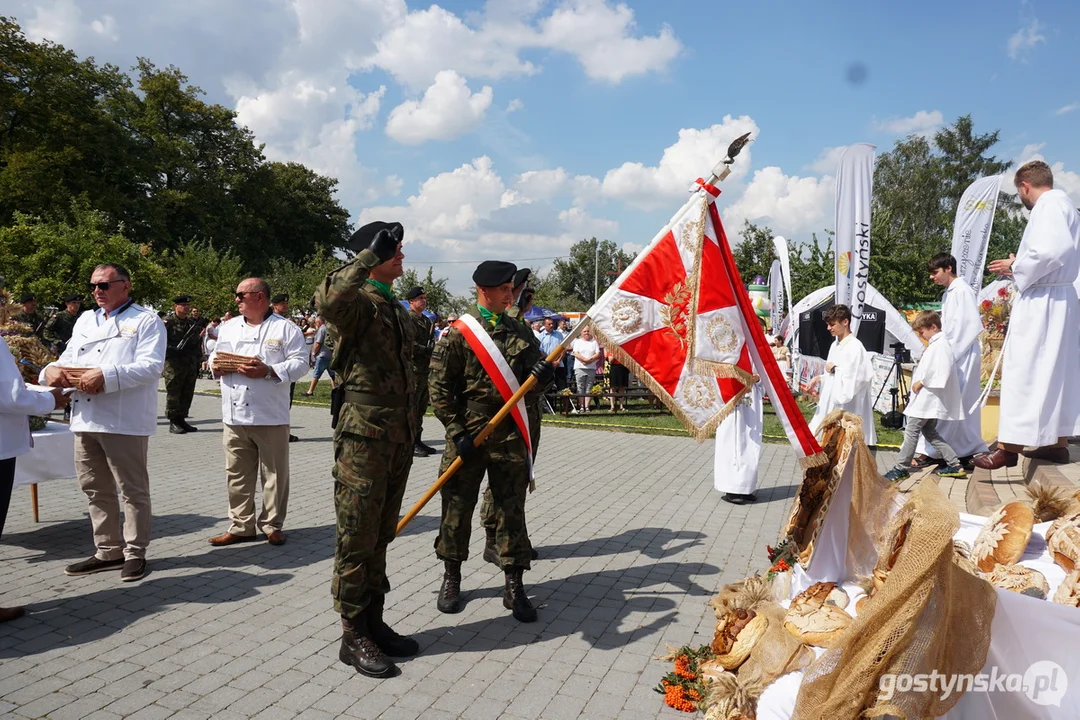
{"type": "Point", "coordinates": [738, 449]}
{"type": "Point", "coordinates": [114, 361]}
{"type": "Point", "coordinates": [962, 326]}
{"type": "Point", "coordinates": [848, 376]}
{"type": "Point", "coordinates": [255, 411]}
{"type": "Point", "coordinates": [1040, 369]}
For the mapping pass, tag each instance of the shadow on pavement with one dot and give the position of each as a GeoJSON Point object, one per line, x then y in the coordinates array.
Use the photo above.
{"type": "Point", "coordinates": [649, 541]}
{"type": "Point", "coordinates": [593, 604]}
{"type": "Point", "coordinates": [70, 539]}
{"type": "Point", "coordinates": [97, 615]}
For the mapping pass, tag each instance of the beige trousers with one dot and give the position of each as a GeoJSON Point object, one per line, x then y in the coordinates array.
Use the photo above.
{"type": "Point", "coordinates": [103, 461]}
{"type": "Point", "coordinates": [249, 449]}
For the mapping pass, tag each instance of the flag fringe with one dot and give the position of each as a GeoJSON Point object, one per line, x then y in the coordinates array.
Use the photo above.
{"type": "Point", "coordinates": [700, 434]}
{"type": "Point", "coordinates": [712, 368]}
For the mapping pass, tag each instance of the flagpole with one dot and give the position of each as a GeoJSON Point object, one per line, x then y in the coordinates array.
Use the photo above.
{"type": "Point", "coordinates": [530, 382]}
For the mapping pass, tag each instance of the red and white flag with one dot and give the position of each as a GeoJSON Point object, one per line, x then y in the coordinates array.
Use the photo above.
{"type": "Point", "coordinates": [680, 318]}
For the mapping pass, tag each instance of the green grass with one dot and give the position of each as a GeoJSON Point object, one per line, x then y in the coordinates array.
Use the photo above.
{"type": "Point", "coordinates": [638, 418]}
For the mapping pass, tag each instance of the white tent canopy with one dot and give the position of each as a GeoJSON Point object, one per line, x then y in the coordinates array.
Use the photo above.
{"type": "Point", "coordinates": [897, 328]}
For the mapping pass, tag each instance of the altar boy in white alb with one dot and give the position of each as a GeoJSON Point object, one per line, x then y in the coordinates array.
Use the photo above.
{"type": "Point", "coordinates": [255, 411]}
{"type": "Point", "coordinates": [738, 448]}
{"type": "Point", "coordinates": [935, 396]}
{"type": "Point", "coordinates": [848, 376]}
{"type": "Point", "coordinates": [962, 325]}
{"type": "Point", "coordinates": [1040, 369]}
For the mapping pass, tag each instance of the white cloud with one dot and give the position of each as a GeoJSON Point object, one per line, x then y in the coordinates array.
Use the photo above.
{"type": "Point", "coordinates": [1068, 108]}
{"type": "Point", "coordinates": [921, 123]}
{"type": "Point", "coordinates": [62, 22]}
{"type": "Point", "coordinates": [514, 105]}
{"type": "Point", "coordinates": [828, 160]}
{"type": "Point", "coordinates": [1066, 180]}
{"type": "Point", "coordinates": [789, 204]}
{"type": "Point", "coordinates": [600, 36]}
{"type": "Point", "coordinates": [1024, 39]}
{"type": "Point", "coordinates": [693, 155]}
{"type": "Point", "coordinates": [448, 110]}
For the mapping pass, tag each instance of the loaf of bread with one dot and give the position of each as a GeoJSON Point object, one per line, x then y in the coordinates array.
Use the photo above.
{"type": "Point", "coordinates": [736, 634]}
{"type": "Point", "coordinates": [1019, 579]}
{"type": "Point", "coordinates": [1005, 536]}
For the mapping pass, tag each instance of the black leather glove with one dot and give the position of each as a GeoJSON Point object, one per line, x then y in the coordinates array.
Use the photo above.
{"type": "Point", "coordinates": [463, 442]}
{"type": "Point", "coordinates": [544, 372]}
{"type": "Point", "coordinates": [384, 245]}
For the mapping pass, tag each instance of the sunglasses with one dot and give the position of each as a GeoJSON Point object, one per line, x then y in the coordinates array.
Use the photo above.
{"type": "Point", "coordinates": [241, 293]}
{"type": "Point", "coordinates": [103, 285]}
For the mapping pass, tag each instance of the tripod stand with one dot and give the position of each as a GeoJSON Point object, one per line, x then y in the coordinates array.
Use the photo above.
{"type": "Point", "coordinates": [894, 419]}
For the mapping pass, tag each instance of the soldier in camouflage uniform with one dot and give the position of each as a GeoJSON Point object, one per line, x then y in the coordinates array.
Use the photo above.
{"type": "Point", "coordinates": [424, 344]}
{"type": "Point", "coordinates": [30, 314]}
{"type": "Point", "coordinates": [523, 295]}
{"type": "Point", "coordinates": [61, 324]}
{"type": "Point", "coordinates": [373, 439]}
{"type": "Point", "coordinates": [183, 355]}
{"type": "Point", "coordinates": [465, 398]}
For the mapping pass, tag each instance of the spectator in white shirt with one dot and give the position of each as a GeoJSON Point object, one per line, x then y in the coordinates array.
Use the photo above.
{"type": "Point", "coordinates": [17, 403]}
{"type": "Point", "coordinates": [255, 412]}
{"type": "Point", "coordinates": [586, 352]}
{"type": "Point", "coordinates": [113, 415]}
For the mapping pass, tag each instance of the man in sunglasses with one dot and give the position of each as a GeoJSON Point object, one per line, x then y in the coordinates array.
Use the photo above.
{"type": "Point", "coordinates": [113, 361]}
{"type": "Point", "coordinates": [255, 411]}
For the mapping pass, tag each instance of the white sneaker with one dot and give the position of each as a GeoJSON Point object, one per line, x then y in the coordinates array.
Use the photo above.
{"type": "Point", "coordinates": [575, 411]}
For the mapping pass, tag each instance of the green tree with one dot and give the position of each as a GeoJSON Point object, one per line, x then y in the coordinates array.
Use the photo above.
{"type": "Point", "coordinates": [439, 300]}
{"type": "Point", "coordinates": [754, 254]}
{"type": "Point", "coordinates": [576, 278]}
{"type": "Point", "coordinates": [209, 276]}
{"type": "Point", "coordinates": [547, 293]}
{"type": "Point", "coordinates": [54, 257]}
{"type": "Point", "coordinates": [812, 267]}
{"type": "Point", "coordinates": [299, 279]}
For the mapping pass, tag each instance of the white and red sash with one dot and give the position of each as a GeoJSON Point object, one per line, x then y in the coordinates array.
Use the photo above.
{"type": "Point", "coordinates": [495, 365]}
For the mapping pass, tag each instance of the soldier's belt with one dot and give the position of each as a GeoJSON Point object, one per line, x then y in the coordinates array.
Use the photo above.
{"type": "Point", "coordinates": [483, 408]}
{"type": "Point", "coordinates": [390, 401]}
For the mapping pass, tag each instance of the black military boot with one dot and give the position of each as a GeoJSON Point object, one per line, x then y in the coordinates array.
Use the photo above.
{"type": "Point", "coordinates": [176, 427]}
{"type": "Point", "coordinates": [188, 427]}
{"type": "Point", "coordinates": [384, 636]}
{"type": "Point", "coordinates": [424, 446]}
{"type": "Point", "coordinates": [418, 450]}
{"type": "Point", "coordinates": [450, 592]}
{"type": "Point", "coordinates": [359, 649]}
{"type": "Point", "coordinates": [490, 554]}
{"type": "Point", "coordinates": [515, 599]}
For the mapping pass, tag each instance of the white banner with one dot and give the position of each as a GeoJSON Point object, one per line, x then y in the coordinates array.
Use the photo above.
{"type": "Point", "coordinates": [776, 297]}
{"type": "Point", "coordinates": [780, 247]}
{"type": "Point", "coordinates": [854, 189]}
{"type": "Point", "coordinates": [971, 233]}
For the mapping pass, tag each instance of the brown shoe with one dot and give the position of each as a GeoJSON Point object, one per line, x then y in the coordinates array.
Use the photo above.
{"type": "Point", "coordinates": [997, 459]}
{"type": "Point", "coordinates": [276, 537]}
{"type": "Point", "coordinates": [1051, 454]}
{"type": "Point", "coordinates": [230, 539]}
{"type": "Point", "coordinates": [10, 613]}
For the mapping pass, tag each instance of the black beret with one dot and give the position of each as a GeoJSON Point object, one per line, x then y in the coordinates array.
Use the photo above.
{"type": "Point", "coordinates": [280, 298]}
{"type": "Point", "coordinates": [182, 300]}
{"type": "Point", "coordinates": [414, 293]}
{"type": "Point", "coordinates": [492, 273]}
{"type": "Point", "coordinates": [27, 297]}
{"type": "Point", "coordinates": [521, 276]}
{"type": "Point", "coordinates": [362, 238]}
{"type": "Point", "coordinates": [72, 298]}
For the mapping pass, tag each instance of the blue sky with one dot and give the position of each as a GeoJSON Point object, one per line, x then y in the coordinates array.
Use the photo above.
{"type": "Point", "coordinates": [513, 128]}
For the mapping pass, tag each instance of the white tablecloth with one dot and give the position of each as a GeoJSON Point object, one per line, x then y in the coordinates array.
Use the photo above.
{"type": "Point", "coordinates": [51, 458]}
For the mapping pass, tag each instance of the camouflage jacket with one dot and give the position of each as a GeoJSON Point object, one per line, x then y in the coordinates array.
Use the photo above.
{"type": "Point", "coordinates": [36, 320]}
{"type": "Point", "coordinates": [373, 347]}
{"type": "Point", "coordinates": [423, 342]}
{"type": "Point", "coordinates": [59, 327]}
{"type": "Point", "coordinates": [183, 331]}
{"type": "Point", "coordinates": [463, 397]}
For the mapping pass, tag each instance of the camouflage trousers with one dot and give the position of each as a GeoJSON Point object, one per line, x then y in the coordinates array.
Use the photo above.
{"type": "Point", "coordinates": [180, 376]}
{"type": "Point", "coordinates": [487, 505]}
{"type": "Point", "coordinates": [420, 400]}
{"type": "Point", "coordinates": [370, 477]}
{"type": "Point", "coordinates": [508, 480]}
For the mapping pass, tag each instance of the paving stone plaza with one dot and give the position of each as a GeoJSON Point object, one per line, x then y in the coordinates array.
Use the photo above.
{"type": "Point", "coordinates": [632, 538]}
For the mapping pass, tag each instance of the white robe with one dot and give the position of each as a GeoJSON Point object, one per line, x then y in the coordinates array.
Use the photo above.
{"type": "Point", "coordinates": [738, 446]}
{"type": "Point", "coordinates": [1040, 371]}
{"type": "Point", "coordinates": [962, 325]}
{"type": "Point", "coordinates": [939, 397]}
{"type": "Point", "coordinates": [849, 387]}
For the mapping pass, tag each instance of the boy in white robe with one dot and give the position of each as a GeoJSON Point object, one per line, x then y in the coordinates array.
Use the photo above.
{"type": "Point", "coordinates": [935, 395]}
{"type": "Point", "coordinates": [962, 325]}
{"type": "Point", "coordinates": [738, 448]}
{"type": "Point", "coordinates": [848, 376]}
{"type": "Point", "coordinates": [1040, 370]}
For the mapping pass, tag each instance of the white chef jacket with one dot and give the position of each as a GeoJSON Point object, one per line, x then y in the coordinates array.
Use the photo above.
{"type": "Point", "coordinates": [16, 404]}
{"type": "Point", "coordinates": [939, 398]}
{"type": "Point", "coordinates": [129, 347]}
{"type": "Point", "coordinates": [261, 401]}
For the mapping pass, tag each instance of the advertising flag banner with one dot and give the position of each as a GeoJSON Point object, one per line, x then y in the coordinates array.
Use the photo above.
{"type": "Point", "coordinates": [776, 297]}
{"type": "Point", "coordinates": [854, 191]}
{"type": "Point", "coordinates": [971, 232]}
